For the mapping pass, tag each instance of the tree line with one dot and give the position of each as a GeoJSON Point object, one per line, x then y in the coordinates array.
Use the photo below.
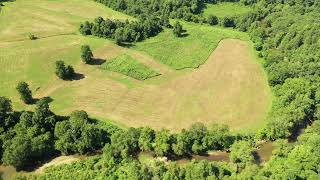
{"type": "Point", "coordinates": [152, 17]}
{"type": "Point", "coordinates": [188, 10]}
{"type": "Point", "coordinates": [123, 31]}
{"type": "Point", "coordinates": [289, 161]}
{"type": "Point", "coordinates": [30, 137]}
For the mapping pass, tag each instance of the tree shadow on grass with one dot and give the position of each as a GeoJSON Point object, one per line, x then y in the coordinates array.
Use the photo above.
{"type": "Point", "coordinates": [126, 45]}
{"type": "Point", "coordinates": [47, 99]}
{"type": "Point", "coordinates": [97, 61]}
{"type": "Point", "coordinates": [184, 35]}
{"type": "Point", "coordinates": [77, 76]}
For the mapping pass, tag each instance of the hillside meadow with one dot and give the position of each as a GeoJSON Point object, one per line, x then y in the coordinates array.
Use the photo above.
{"type": "Point", "coordinates": [168, 100]}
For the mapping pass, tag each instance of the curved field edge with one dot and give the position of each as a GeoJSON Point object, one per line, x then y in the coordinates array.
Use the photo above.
{"type": "Point", "coordinates": [230, 88]}
{"type": "Point", "coordinates": [190, 51]}
{"type": "Point", "coordinates": [107, 95]}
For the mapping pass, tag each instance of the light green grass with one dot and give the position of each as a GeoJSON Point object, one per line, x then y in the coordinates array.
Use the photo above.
{"type": "Point", "coordinates": [126, 65]}
{"type": "Point", "coordinates": [225, 9]}
{"type": "Point", "coordinates": [169, 100]}
{"type": "Point", "coordinates": [190, 51]}
{"type": "Point", "coordinates": [56, 24]}
{"type": "Point", "coordinates": [45, 18]}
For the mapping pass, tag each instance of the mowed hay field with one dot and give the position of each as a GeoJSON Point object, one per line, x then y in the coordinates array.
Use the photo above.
{"type": "Point", "coordinates": [229, 87]}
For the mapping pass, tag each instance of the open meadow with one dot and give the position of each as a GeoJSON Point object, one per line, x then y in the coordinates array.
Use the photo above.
{"type": "Point", "coordinates": [227, 85]}
{"type": "Point", "coordinates": [159, 89]}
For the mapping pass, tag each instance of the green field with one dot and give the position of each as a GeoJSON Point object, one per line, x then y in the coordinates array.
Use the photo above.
{"type": "Point", "coordinates": [126, 65]}
{"type": "Point", "coordinates": [174, 100]}
{"type": "Point", "coordinates": [225, 9]}
{"type": "Point", "coordinates": [190, 51]}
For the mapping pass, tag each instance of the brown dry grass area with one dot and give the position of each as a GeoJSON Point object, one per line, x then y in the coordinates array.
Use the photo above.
{"type": "Point", "coordinates": [229, 88]}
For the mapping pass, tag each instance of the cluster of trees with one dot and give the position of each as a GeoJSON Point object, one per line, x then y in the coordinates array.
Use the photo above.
{"type": "Point", "coordinates": [289, 161]}
{"type": "Point", "coordinates": [287, 36]}
{"type": "Point", "coordinates": [78, 134]}
{"type": "Point", "coordinates": [124, 31]}
{"type": "Point", "coordinates": [109, 167]}
{"type": "Point", "coordinates": [30, 137]}
{"type": "Point", "coordinates": [197, 140]}
{"type": "Point", "coordinates": [26, 137]}
{"type": "Point", "coordinates": [152, 15]}
{"type": "Point", "coordinates": [188, 10]}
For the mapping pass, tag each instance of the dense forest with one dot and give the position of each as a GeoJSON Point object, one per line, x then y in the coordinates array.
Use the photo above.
{"type": "Point", "coordinates": [285, 34]}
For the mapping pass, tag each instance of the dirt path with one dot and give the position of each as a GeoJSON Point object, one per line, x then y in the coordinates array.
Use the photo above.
{"type": "Point", "coordinates": [229, 88]}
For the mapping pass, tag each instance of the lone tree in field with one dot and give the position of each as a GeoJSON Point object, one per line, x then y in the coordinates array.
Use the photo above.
{"type": "Point", "coordinates": [64, 72]}
{"type": "Point", "coordinates": [86, 54]}
{"type": "Point", "coordinates": [177, 29]}
{"type": "Point", "coordinates": [212, 20]}
{"type": "Point", "coordinates": [25, 92]}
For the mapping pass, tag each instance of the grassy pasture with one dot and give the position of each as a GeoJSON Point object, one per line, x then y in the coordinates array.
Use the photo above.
{"type": "Point", "coordinates": [46, 18]}
{"type": "Point", "coordinates": [129, 66]}
{"type": "Point", "coordinates": [230, 87]}
{"type": "Point", "coordinates": [190, 51]}
{"type": "Point", "coordinates": [225, 9]}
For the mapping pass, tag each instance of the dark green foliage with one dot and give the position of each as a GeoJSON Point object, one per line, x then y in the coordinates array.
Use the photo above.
{"type": "Point", "coordinates": [241, 152]}
{"type": "Point", "coordinates": [17, 153]}
{"type": "Point", "coordinates": [162, 143]}
{"type": "Point", "coordinates": [297, 162]}
{"type": "Point", "coordinates": [147, 136]}
{"type": "Point", "coordinates": [183, 9]}
{"type": "Point", "coordinates": [6, 114]}
{"type": "Point", "coordinates": [177, 29]}
{"type": "Point", "coordinates": [287, 36]}
{"type": "Point", "coordinates": [212, 20]}
{"type": "Point", "coordinates": [125, 143]}
{"type": "Point", "coordinates": [292, 107]}
{"type": "Point", "coordinates": [228, 21]}
{"type": "Point", "coordinates": [218, 137]}
{"type": "Point", "coordinates": [86, 54]}
{"type": "Point", "coordinates": [123, 31]}
{"type": "Point", "coordinates": [183, 144]}
{"type": "Point", "coordinates": [64, 72]}
{"type": "Point", "coordinates": [25, 92]}
{"type": "Point", "coordinates": [31, 139]}
{"type": "Point", "coordinates": [77, 134]}
{"type": "Point", "coordinates": [198, 139]}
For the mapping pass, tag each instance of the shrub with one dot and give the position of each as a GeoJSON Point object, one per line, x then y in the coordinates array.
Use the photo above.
{"type": "Point", "coordinates": [86, 54]}
{"type": "Point", "coordinates": [228, 21]}
{"type": "Point", "coordinates": [212, 20]}
{"type": "Point", "coordinates": [25, 92]}
{"type": "Point", "coordinates": [32, 37]}
{"type": "Point", "coordinates": [64, 72]}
